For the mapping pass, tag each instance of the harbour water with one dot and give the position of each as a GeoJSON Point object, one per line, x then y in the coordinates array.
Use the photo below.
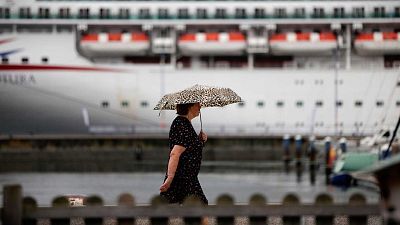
{"type": "Point", "coordinates": [241, 185]}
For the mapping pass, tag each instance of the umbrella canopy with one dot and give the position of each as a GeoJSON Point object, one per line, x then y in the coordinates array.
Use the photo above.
{"type": "Point", "coordinates": [205, 95]}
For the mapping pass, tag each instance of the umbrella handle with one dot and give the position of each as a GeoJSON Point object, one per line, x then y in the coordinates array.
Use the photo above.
{"type": "Point", "coordinates": [201, 123]}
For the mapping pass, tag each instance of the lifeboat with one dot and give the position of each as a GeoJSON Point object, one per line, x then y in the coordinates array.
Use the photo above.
{"type": "Point", "coordinates": [232, 43]}
{"type": "Point", "coordinates": [115, 44]}
{"type": "Point", "coordinates": [303, 43]}
{"type": "Point", "coordinates": [377, 43]}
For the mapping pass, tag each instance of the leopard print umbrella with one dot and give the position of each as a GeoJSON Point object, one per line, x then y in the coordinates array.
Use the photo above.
{"type": "Point", "coordinates": [205, 95]}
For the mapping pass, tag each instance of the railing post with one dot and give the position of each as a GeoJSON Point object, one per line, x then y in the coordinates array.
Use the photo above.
{"type": "Point", "coordinates": [324, 199]}
{"type": "Point", "coordinates": [225, 200]}
{"type": "Point", "coordinates": [94, 201]}
{"type": "Point", "coordinates": [192, 200]}
{"type": "Point", "coordinates": [357, 199]}
{"type": "Point", "coordinates": [126, 200]}
{"type": "Point", "coordinates": [291, 199]}
{"type": "Point", "coordinates": [28, 205]}
{"type": "Point", "coordinates": [157, 201]}
{"type": "Point", "coordinates": [12, 205]}
{"type": "Point", "coordinates": [257, 200]}
{"type": "Point", "coordinates": [60, 201]}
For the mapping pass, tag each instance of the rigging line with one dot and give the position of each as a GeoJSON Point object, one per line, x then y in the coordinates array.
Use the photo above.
{"type": "Point", "coordinates": [366, 92]}
{"type": "Point", "coordinates": [372, 105]}
{"type": "Point", "coordinates": [394, 134]}
{"type": "Point", "coordinates": [90, 105]}
{"type": "Point", "coordinates": [385, 112]}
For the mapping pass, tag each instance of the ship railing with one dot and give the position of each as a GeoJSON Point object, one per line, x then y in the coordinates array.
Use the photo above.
{"type": "Point", "coordinates": [174, 16]}
{"type": "Point", "coordinates": [18, 209]}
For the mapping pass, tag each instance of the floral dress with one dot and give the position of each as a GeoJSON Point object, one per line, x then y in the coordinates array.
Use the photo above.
{"type": "Point", "coordinates": [185, 181]}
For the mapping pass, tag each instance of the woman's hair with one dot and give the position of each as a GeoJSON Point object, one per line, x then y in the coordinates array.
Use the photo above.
{"type": "Point", "coordinates": [183, 109]}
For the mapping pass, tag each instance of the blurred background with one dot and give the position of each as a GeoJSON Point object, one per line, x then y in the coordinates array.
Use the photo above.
{"type": "Point", "coordinates": [79, 79]}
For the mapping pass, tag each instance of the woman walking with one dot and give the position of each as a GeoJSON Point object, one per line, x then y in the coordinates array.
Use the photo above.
{"type": "Point", "coordinates": [185, 157]}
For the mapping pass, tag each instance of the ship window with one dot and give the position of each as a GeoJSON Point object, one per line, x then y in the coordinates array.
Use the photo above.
{"type": "Point", "coordinates": [163, 13]}
{"type": "Point", "coordinates": [241, 104]}
{"type": "Point", "coordinates": [379, 12]}
{"type": "Point", "coordinates": [280, 12]}
{"type": "Point", "coordinates": [104, 13]}
{"type": "Point", "coordinates": [397, 11]}
{"type": "Point", "coordinates": [318, 13]}
{"type": "Point", "coordinates": [5, 13]}
{"type": "Point", "coordinates": [240, 13]}
{"type": "Point", "coordinates": [319, 103]}
{"type": "Point", "coordinates": [299, 13]}
{"type": "Point", "coordinates": [25, 60]}
{"type": "Point", "coordinates": [299, 104]}
{"type": "Point", "coordinates": [201, 13]}
{"type": "Point", "coordinates": [45, 60]}
{"type": "Point", "coordinates": [4, 60]}
{"type": "Point", "coordinates": [280, 104]}
{"type": "Point", "coordinates": [338, 12]}
{"type": "Point", "coordinates": [398, 103]}
{"type": "Point", "coordinates": [398, 83]}
{"type": "Point", "coordinates": [319, 124]}
{"type": "Point", "coordinates": [358, 12]}
{"type": "Point", "coordinates": [124, 13]}
{"type": "Point", "coordinates": [44, 13]}
{"type": "Point", "coordinates": [125, 104]}
{"type": "Point", "coordinates": [64, 13]}
{"type": "Point", "coordinates": [84, 13]}
{"type": "Point", "coordinates": [260, 104]}
{"type": "Point", "coordinates": [358, 103]}
{"type": "Point", "coordinates": [339, 103]}
{"type": "Point", "coordinates": [379, 103]}
{"type": "Point", "coordinates": [183, 13]}
{"type": "Point", "coordinates": [105, 104]}
{"type": "Point", "coordinates": [259, 13]}
{"type": "Point", "coordinates": [319, 82]}
{"type": "Point", "coordinates": [220, 13]}
{"type": "Point", "coordinates": [144, 13]}
{"type": "Point", "coordinates": [144, 104]}
{"type": "Point", "coordinates": [25, 13]}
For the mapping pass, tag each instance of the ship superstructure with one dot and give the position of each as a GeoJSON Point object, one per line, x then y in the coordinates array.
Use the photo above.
{"type": "Point", "coordinates": [308, 67]}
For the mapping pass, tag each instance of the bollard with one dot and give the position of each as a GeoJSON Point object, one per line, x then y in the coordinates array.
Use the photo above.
{"type": "Point", "coordinates": [126, 200]}
{"type": "Point", "coordinates": [157, 201]}
{"type": "Point", "coordinates": [12, 205]}
{"type": "Point", "coordinates": [328, 168]}
{"type": "Point", "coordinates": [286, 152]}
{"type": "Point", "coordinates": [343, 145]}
{"type": "Point", "coordinates": [193, 200]}
{"type": "Point", "coordinates": [90, 202]}
{"type": "Point", "coordinates": [258, 200]}
{"type": "Point", "coordinates": [29, 205]}
{"type": "Point", "coordinates": [357, 199]}
{"type": "Point", "coordinates": [291, 199]}
{"type": "Point", "coordinates": [225, 200]}
{"type": "Point", "coordinates": [324, 199]}
{"type": "Point", "coordinates": [312, 154]}
{"type": "Point", "coordinates": [299, 166]}
{"type": "Point", "coordinates": [59, 202]}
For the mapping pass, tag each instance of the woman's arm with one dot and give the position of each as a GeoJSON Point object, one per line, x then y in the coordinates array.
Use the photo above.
{"type": "Point", "coordinates": [176, 152]}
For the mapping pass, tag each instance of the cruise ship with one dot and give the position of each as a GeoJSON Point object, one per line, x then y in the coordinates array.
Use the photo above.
{"type": "Point", "coordinates": [92, 67]}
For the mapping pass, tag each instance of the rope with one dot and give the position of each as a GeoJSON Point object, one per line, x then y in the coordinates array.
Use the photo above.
{"type": "Point", "coordinates": [394, 134]}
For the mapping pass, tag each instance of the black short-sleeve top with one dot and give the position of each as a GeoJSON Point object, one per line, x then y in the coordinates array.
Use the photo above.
{"type": "Point", "coordinates": [182, 133]}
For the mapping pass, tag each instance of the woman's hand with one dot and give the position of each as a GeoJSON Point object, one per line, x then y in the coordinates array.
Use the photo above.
{"type": "Point", "coordinates": [203, 136]}
{"type": "Point", "coordinates": [167, 183]}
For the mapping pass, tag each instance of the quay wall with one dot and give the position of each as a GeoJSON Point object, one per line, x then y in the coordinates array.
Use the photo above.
{"type": "Point", "coordinates": [128, 155]}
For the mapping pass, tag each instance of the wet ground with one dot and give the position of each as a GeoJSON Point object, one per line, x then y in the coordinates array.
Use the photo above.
{"type": "Point", "coordinates": [143, 186]}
